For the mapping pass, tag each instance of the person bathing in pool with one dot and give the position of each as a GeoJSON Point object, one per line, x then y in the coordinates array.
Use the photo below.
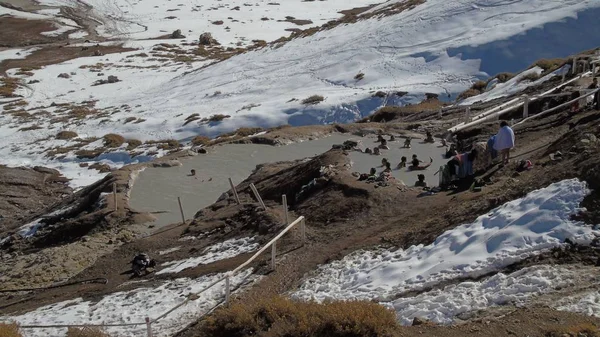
{"type": "Point", "coordinates": [416, 164]}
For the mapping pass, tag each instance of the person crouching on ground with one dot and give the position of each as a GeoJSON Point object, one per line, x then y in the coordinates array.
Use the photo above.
{"type": "Point", "coordinates": [505, 141]}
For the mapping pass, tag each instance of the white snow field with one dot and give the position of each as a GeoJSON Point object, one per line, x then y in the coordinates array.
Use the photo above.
{"type": "Point", "coordinates": [242, 21]}
{"type": "Point", "coordinates": [508, 234]}
{"type": "Point", "coordinates": [220, 251]}
{"type": "Point", "coordinates": [132, 307]}
{"type": "Point", "coordinates": [442, 306]}
{"type": "Point", "coordinates": [402, 52]}
{"type": "Point", "coordinates": [587, 304]}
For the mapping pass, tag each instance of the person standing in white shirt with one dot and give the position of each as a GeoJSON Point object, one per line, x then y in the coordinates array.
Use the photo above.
{"type": "Point", "coordinates": [505, 141]}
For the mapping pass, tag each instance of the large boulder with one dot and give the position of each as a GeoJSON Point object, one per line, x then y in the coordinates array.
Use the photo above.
{"type": "Point", "coordinates": [206, 39]}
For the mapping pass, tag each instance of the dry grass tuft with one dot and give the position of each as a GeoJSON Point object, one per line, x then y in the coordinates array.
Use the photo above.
{"type": "Point", "coordinates": [64, 135]}
{"type": "Point", "coordinates": [284, 317]}
{"type": "Point", "coordinates": [314, 99]}
{"type": "Point", "coordinates": [549, 64]}
{"type": "Point", "coordinates": [133, 143]}
{"type": "Point", "coordinates": [479, 85]}
{"type": "Point", "coordinates": [530, 77]}
{"type": "Point", "coordinates": [113, 140]}
{"type": "Point", "coordinates": [217, 118]}
{"type": "Point", "coordinates": [9, 330]}
{"type": "Point", "coordinates": [468, 93]}
{"type": "Point", "coordinates": [86, 332]}
{"type": "Point", "coordinates": [504, 77]}
{"type": "Point", "coordinates": [200, 140]}
{"type": "Point", "coordinates": [8, 85]}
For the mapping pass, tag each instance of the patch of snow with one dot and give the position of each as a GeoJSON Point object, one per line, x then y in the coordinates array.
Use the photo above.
{"type": "Point", "coordinates": [513, 86]}
{"type": "Point", "coordinates": [169, 251]}
{"type": "Point", "coordinates": [133, 306]}
{"type": "Point", "coordinates": [587, 304]}
{"type": "Point", "coordinates": [16, 54]}
{"type": "Point", "coordinates": [508, 234]}
{"type": "Point", "coordinates": [220, 251]}
{"type": "Point", "coordinates": [443, 305]}
{"type": "Point", "coordinates": [30, 229]}
{"type": "Point", "coordinates": [78, 34]}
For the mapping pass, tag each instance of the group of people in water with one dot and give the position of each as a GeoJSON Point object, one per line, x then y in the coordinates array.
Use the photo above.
{"type": "Point", "coordinates": [415, 164]}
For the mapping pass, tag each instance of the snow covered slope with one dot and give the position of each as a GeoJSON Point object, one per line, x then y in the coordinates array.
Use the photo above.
{"type": "Point", "coordinates": [508, 234]}
{"type": "Point", "coordinates": [406, 52]}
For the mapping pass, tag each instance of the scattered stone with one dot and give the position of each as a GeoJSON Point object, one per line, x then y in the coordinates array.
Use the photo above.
{"type": "Point", "coordinates": [177, 34]}
{"type": "Point", "coordinates": [73, 73]}
{"type": "Point", "coordinates": [102, 168]}
{"type": "Point", "coordinates": [206, 39]}
{"type": "Point", "coordinates": [64, 75]}
{"type": "Point", "coordinates": [33, 82]}
{"type": "Point", "coordinates": [98, 53]}
{"type": "Point", "coordinates": [113, 79]}
{"type": "Point", "coordinates": [418, 321]}
{"type": "Point", "coordinates": [84, 164]}
{"type": "Point", "coordinates": [380, 94]}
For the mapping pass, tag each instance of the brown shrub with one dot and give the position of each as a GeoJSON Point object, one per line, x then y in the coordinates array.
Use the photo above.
{"type": "Point", "coordinates": [284, 317]}
{"type": "Point", "coordinates": [504, 77]}
{"type": "Point", "coordinates": [113, 140]}
{"type": "Point", "coordinates": [86, 332]}
{"type": "Point", "coordinates": [200, 140]}
{"type": "Point", "coordinates": [549, 64]}
{"type": "Point", "coordinates": [468, 93]}
{"type": "Point", "coordinates": [479, 85]}
{"type": "Point", "coordinates": [66, 135]}
{"type": "Point", "coordinates": [9, 330]}
{"type": "Point", "coordinates": [133, 143]}
{"type": "Point", "coordinates": [314, 99]}
{"type": "Point", "coordinates": [245, 132]}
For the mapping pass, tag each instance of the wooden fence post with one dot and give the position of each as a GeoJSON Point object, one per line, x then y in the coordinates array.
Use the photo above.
{"type": "Point", "coordinates": [181, 210]}
{"type": "Point", "coordinates": [285, 209]}
{"type": "Point", "coordinates": [262, 204]}
{"type": "Point", "coordinates": [525, 106]}
{"type": "Point", "coordinates": [115, 196]}
{"type": "Point", "coordinates": [227, 291]}
{"type": "Point", "coordinates": [148, 327]}
{"type": "Point", "coordinates": [303, 231]}
{"type": "Point", "coordinates": [273, 255]}
{"type": "Point", "coordinates": [235, 194]}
